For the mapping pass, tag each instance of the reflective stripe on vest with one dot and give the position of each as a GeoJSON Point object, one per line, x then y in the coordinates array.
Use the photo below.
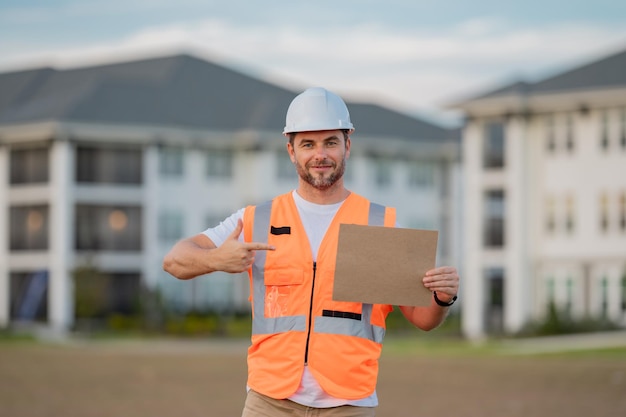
{"type": "Point", "coordinates": [262, 324]}
{"type": "Point", "coordinates": [334, 325]}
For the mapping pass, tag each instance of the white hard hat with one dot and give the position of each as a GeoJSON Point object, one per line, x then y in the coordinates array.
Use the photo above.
{"type": "Point", "coordinates": [317, 109]}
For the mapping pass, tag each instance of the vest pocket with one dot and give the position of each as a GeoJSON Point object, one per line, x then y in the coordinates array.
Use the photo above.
{"type": "Point", "coordinates": [343, 309]}
{"type": "Point", "coordinates": [279, 287]}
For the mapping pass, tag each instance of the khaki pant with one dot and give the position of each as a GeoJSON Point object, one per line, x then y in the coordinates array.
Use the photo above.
{"type": "Point", "coordinates": [258, 405]}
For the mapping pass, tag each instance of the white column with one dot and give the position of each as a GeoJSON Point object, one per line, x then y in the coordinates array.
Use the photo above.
{"type": "Point", "coordinates": [456, 204]}
{"type": "Point", "coordinates": [472, 280]}
{"type": "Point", "coordinates": [517, 223]}
{"type": "Point", "coordinates": [5, 296]}
{"type": "Point", "coordinates": [150, 205]}
{"type": "Point", "coordinates": [61, 288]}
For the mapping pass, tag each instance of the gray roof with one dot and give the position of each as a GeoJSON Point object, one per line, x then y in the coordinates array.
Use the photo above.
{"type": "Point", "coordinates": [375, 120]}
{"type": "Point", "coordinates": [175, 91]}
{"type": "Point", "coordinates": [605, 73]}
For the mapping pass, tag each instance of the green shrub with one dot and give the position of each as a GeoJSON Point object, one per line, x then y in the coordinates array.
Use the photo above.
{"type": "Point", "coordinates": [559, 322]}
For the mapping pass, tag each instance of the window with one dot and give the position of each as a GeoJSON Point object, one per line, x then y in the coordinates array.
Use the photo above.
{"type": "Point", "coordinates": [604, 134]}
{"type": "Point", "coordinates": [348, 174]}
{"type": "Point", "coordinates": [604, 294]}
{"type": "Point", "coordinates": [550, 134]}
{"type": "Point", "coordinates": [108, 165]}
{"type": "Point", "coordinates": [551, 291]}
{"type": "Point", "coordinates": [422, 222]}
{"type": "Point", "coordinates": [570, 214]}
{"type": "Point", "coordinates": [29, 296]}
{"type": "Point", "coordinates": [29, 165]}
{"type": "Point", "coordinates": [171, 161]}
{"type": "Point", "coordinates": [494, 218]}
{"type": "Point", "coordinates": [550, 215]}
{"type": "Point", "coordinates": [219, 164]}
{"type": "Point", "coordinates": [421, 175]}
{"type": "Point", "coordinates": [98, 293]}
{"type": "Point", "coordinates": [570, 296]}
{"type": "Point", "coordinates": [493, 152]}
{"type": "Point", "coordinates": [623, 283]}
{"type": "Point", "coordinates": [382, 172]}
{"type": "Point", "coordinates": [171, 226]}
{"type": "Point", "coordinates": [214, 219]}
{"type": "Point", "coordinates": [495, 287]}
{"type": "Point", "coordinates": [622, 139]}
{"type": "Point", "coordinates": [604, 212]}
{"type": "Point", "coordinates": [29, 227]}
{"type": "Point", "coordinates": [569, 133]}
{"type": "Point", "coordinates": [495, 279]}
{"type": "Point", "coordinates": [114, 228]}
{"type": "Point", "coordinates": [285, 169]}
{"type": "Point", "coordinates": [622, 212]}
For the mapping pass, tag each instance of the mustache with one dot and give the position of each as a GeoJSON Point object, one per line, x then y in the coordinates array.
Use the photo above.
{"type": "Point", "coordinates": [321, 164]}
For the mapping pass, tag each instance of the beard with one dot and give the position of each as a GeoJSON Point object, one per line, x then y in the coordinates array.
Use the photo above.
{"type": "Point", "coordinates": [320, 181]}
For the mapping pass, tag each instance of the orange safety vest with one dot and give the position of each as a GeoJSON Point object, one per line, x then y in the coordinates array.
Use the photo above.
{"type": "Point", "coordinates": [295, 320]}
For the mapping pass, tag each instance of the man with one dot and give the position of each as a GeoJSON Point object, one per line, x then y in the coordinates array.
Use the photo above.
{"type": "Point", "coordinates": [308, 351]}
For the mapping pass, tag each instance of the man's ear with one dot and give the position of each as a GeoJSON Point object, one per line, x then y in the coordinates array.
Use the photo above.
{"type": "Point", "coordinates": [290, 152]}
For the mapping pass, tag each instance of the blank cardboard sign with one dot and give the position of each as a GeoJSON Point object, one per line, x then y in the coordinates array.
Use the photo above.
{"type": "Point", "coordinates": [384, 265]}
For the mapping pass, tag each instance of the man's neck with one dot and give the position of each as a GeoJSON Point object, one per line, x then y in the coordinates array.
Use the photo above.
{"type": "Point", "coordinates": [332, 195]}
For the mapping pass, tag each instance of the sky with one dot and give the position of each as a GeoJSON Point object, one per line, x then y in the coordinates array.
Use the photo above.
{"type": "Point", "coordinates": [415, 56]}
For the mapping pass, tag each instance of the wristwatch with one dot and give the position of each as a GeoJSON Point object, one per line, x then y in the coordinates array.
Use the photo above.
{"type": "Point", "coordinates": [441, 303]}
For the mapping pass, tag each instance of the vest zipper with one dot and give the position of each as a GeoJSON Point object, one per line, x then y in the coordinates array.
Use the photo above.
{"type": "Point", "coordinates": [308, 335]}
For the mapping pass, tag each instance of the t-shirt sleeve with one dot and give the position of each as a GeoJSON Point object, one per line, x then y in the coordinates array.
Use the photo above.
{"type": "Point", "coordinates": [220, 233]}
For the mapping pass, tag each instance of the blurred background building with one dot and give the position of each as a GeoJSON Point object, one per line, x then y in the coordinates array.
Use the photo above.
{"type": "Point", "coordinates": [104, 168]}
{"type": "Point", "coordinates": [545, 199]}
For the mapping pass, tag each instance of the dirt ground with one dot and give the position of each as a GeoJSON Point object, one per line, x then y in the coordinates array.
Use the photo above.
{"type": "Point", "coordinates": [150, 379]}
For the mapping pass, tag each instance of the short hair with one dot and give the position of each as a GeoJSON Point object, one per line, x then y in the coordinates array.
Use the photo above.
{"type": "Point", "coordinates": [292, 136]}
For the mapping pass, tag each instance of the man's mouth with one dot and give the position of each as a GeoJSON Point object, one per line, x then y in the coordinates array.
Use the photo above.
{"type": "Point", "coordinates": [321, 166]}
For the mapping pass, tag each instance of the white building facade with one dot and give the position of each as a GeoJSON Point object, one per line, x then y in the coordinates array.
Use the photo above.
{"type": "Point", "coordinates": [545, 200]}
{"type": "Point", "coordinates": [112, 197]}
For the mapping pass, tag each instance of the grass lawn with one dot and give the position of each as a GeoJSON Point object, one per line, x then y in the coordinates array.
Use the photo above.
{"type": "Point", "coordinates": [418, 377]}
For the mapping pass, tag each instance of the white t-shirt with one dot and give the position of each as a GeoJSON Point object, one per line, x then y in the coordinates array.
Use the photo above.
{"type": "Point", "coordinates": [316, 218]}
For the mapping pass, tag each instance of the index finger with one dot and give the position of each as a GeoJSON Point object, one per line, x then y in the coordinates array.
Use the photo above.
{"type": "Point", "coordinates": [440, 270]}
{"type": "Point", "coordinates": [259, 246]}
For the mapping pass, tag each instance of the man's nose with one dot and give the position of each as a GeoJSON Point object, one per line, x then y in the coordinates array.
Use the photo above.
{"type": "Point", "coordinates": [321, 152]}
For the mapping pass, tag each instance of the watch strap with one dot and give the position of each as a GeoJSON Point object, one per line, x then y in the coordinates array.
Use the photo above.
{"type": "Point", "coordinates": [441, 303]}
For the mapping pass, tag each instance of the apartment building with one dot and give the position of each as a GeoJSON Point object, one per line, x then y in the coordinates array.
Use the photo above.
{"type": "Point", "coordinates": [104, 168]}
{"type": "Point", "coordinates": [545, 199]}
